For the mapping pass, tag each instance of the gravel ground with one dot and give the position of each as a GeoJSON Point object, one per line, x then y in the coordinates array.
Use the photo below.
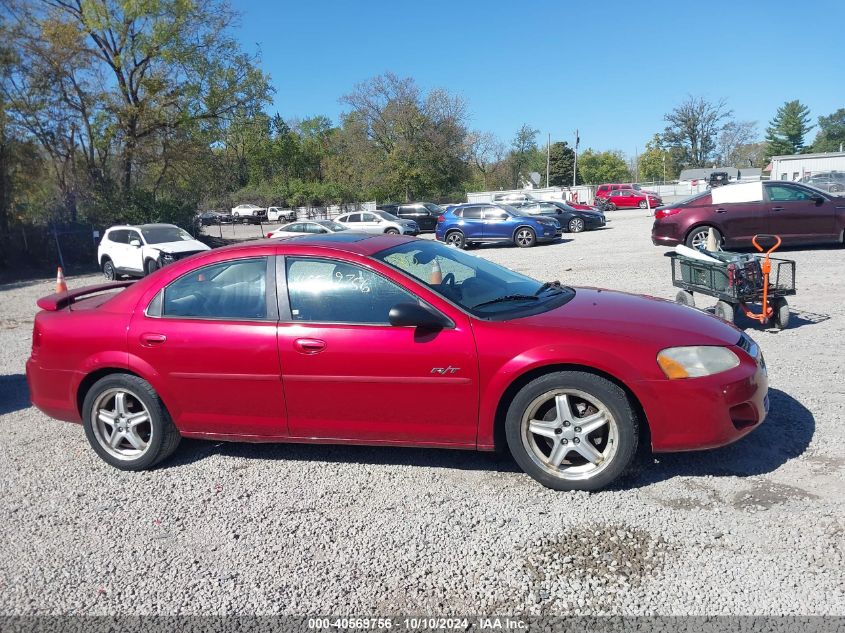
{"type": "Point", "coordinates": [754, 528]}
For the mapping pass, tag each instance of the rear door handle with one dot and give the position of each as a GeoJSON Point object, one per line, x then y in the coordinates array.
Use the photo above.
{"type": "Point", "coordinates": [309, 345]}
{"type": "Point", "coordinates": [149, 339]}
{"type": "Point", "coordinates": [721, 210]}
{"type": "Point", "coordinates": [777, 208]}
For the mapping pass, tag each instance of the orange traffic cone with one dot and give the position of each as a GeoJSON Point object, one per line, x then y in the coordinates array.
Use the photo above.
{"type": "Point", "coordinates": [436, 276]}
{"type": "Point", "coordinates": [61, 286]}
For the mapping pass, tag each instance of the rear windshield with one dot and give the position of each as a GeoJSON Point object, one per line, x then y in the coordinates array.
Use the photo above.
{"type": "Point", "coordinates": [698, 200]}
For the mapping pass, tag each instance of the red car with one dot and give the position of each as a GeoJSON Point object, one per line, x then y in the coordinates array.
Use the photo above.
{"type": "Point", "coordinates": [622, 198]}
{"type": "Point", "coordinates": [604, 191]}
{"type": "Point", "coordinates": [797, 213]}
{"type": "Point", "coordinates": [389, 340]}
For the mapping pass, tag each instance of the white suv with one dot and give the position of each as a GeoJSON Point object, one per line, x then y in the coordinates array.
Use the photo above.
{"type": "Point", "coordinates": [378, 222]}
{"type": "Point", "coordinates": [140, 250]}
{"type": "Point", "coordinates": [249, 213]}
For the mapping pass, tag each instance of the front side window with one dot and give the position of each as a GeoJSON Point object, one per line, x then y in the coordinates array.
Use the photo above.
{"type": "Point", "coordinates": [780, 193]}
{"type": "Point", "coordinates": [481, 287]}
{"type": "Point", "coordinates": [492, 213]}
{"type": "Point", "coordinates": [227, 290]}
{"type": "Point", "coordinates": [134, 235]}
{"type": "Point", "coordinates": [119, 237]}
{"type": "Point", "coordinates": [332, 291]}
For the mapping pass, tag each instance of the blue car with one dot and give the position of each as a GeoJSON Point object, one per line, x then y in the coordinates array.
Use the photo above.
{"type": "Point", "coordinates": [468, 224]}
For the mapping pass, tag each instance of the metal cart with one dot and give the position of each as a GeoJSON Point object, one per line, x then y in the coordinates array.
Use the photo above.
{"type": "Point", "coordinates": [738, 280]}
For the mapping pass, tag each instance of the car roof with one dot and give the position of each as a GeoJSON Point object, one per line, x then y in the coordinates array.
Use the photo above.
{"type": "Point", "coordinates": [154, 225]}
{"type": "Point", "coordinates": [347, 241]}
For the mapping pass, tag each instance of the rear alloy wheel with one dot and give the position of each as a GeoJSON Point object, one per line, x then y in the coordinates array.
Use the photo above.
{"type": "Point", "coordinates": [108, 270]}
{"type": "Point", "coordinates": [525, 238]}
{"type": "Point", "coordinates": [150, 266]}
{"type": "Point", "coordinates": [126, 423]}
{"type": "Point", "coordinates": [643, 204]}
{"type": "Point", "coordinates": [456, 239]}
{"type": "Point", "coordinates": [697, 238]}
{"type": "Point", "coordinates": [576, 225]}
{"type": "Point", "coordinates": [392, 231]}
{"type": "Point", "coordinates": [725, 311]}
{"type": "Point", "coordinates": [572, 430]}
{"type": "Point", "coordinates": [685, 298]}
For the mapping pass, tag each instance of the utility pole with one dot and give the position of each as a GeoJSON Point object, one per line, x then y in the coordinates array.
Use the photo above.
{"type": "Point", "coordinates": [575, 164]}
{"type": "Point", "coordinates": [548, 157]}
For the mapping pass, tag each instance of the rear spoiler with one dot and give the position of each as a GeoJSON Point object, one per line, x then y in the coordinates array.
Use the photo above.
{"type": "Point", "coordinates": [62, 300]}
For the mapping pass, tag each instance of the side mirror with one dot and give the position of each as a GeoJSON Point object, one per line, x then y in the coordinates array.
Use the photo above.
{"type": "Point", "coordinates": [414, 315]}
{"type": "Point", "coordinates": [135, 243]}
{"type": "Point", "coordinates": [819, 200]}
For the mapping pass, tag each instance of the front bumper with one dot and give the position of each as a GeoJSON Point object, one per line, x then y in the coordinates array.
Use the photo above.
{"type": "Point", "coordinates": [708, 412]}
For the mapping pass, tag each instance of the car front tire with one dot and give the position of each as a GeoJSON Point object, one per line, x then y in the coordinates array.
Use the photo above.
{"type": "Point", "coordinates": [576, 225]}
{"type": "Point", "coordinates": [126, 423]}
{"type": "Point", "coordinates": [525, 238]}
{"type": "Point", "coordinates": [572, 430]}
{"type": "Point", "coordinates": [392, 231]}
{"type": "Point", "coordinates": [150, 266]}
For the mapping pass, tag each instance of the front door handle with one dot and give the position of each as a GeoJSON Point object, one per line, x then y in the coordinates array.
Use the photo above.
{"type": "Point", "coordinates": [777, 208]}
{"type": "Point", "coordinates": [721, 210]}
{"type": "Point", "coordinates": [150, 339]}
{"type": "Point", "coordinates": [309, 345]}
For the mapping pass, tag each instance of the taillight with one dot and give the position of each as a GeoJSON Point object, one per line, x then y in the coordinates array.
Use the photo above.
{"type": "Point", "coordinates": [665, 213]}
{"type": "Point", "coordinates": [441, 218]}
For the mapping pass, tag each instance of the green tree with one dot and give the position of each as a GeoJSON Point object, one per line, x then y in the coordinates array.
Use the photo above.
{"type": "Point", "coordinates": [788, 129]}
{"type": "Point", "coordinates": [658, 162]}
{"type": "Point", "coordinates": [693, 129]}
{"type": "Point", "coordinates": [831, 135]}
{"type": "Point", "coordinates": [561, 164]}
{"type": "Point", "coordinates": [524, 151]}
{"type": "Point", "coordinates": [599, 167]}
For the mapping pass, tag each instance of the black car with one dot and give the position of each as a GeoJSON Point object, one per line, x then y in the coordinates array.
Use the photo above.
{"type": "Point", "coordinates": [425, 214]}
{"type": "Point", "coordinates": [571, 220]}
{"type": "Point", "coordinates": [209, 218]}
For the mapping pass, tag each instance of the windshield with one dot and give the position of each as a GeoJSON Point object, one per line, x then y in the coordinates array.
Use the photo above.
{"type": "Point", "coordinates": [386, 216]}
{"type": "Point", "coordinates": [162, 234]}
{"type": "Point", "coordinates": [332, 226]}
{"type": "Point", "coordinates": [482, 288]}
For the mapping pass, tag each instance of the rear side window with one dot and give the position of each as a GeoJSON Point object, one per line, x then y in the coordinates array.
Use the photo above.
{"type": "Point", "coordinates": [234, 290]}
{"type": "Point", "coordinates": [472, 213]}
{"type": "Point", "coordinates": [355, 217]}
{"type": "Point", "coordinates": [119, 237]}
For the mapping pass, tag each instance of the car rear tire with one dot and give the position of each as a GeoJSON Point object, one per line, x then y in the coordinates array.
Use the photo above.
{"type": "Point", "coordinates": [456, 239]}
{"type": "Point", "coordinates": [392, 231]}
{"type": "Point", "coordinates": [697, 238]}
{"type": "Point", "coordinates": [685, 298]}
{"type": "Point", "coordinates": [576, 225]}
{"type": "Point", "coordinates": [525, 237]}
{"type": "Point", "coordinates": [780, 313]}
{"type": "Point", "coordinates": [572, 430]}
{"type": "Point", "coordinates": [642, 204]}
{"type": "Point", "coordinates": [126, 423]}
{"type": "Point", "coordinates": [109, 271]}
{"type": "Point", "coordinates": [725, 311]}
{"type": "Point", "coordinates": [150, 266]}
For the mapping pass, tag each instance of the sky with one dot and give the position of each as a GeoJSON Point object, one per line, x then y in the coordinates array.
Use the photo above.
{"type": "Point", "coordinates": [610, 69]}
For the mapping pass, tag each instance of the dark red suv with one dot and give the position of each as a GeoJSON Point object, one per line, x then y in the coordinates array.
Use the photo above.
{"type": "Point", "coordinates": [797, 213]}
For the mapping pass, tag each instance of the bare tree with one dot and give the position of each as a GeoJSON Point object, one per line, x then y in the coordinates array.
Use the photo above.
{"type": "Point", "coordinates": [694, 128]}
{"type": "Point", "coordinates": [486, 152]}
{"type": "Point", "coordinates": [735, 136]}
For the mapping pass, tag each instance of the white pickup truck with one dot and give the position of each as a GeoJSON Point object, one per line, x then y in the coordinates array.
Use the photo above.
{"type": "Point", "coordinates": [278, 214]}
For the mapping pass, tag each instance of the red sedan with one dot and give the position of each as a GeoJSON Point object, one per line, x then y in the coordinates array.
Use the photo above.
{"type": "Point", "coordinates": [357, 339]}
{"type": "Point", "coordinates": [628, 198]}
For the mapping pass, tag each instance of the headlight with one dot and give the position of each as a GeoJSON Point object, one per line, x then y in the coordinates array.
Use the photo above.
{"type": "Point", "coordinates": [692, 362]}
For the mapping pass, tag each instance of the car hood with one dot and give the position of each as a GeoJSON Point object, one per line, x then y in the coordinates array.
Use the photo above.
{"type": "Point", "coordinates": [180, 246]}
{"type": "Point", "coordinates": [646, 319]}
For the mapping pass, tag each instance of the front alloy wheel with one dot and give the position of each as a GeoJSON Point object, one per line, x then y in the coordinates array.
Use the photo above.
{"type": "Point", "coordinates": [108, 270]}
{"type": "Point", "coordinates": [576, 225]}
{"type": "Point", "coordinates": [524, 238]}
{"type": "Point", "coordinates": [572, 430]}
